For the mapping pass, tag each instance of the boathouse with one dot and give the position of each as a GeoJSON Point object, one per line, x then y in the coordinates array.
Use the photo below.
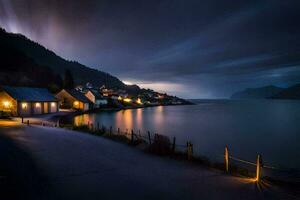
{"type": "Point", "coordinates": [26, 101]}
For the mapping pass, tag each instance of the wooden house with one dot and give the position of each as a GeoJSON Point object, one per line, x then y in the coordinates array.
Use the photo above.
{"type": "Point", "coordinates": [26, 101]}
{"type": "Point", "coordinates": [96, 98]}
{"type": "Point", "coordinates": [73, 99]}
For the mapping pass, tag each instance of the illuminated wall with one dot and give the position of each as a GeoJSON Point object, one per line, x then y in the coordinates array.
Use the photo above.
{"type": "Point", "coordinates": [90, 96]}
{"type": "Point", "coordinates": [53, 107]}
{"type": "Point", "coordinates": [7, 103]}
{"type": "Point", "coordinates": [24, 108]}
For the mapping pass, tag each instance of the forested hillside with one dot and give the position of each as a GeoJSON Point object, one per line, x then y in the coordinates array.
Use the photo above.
{"type": "Point", "coordinates": [24, 54]}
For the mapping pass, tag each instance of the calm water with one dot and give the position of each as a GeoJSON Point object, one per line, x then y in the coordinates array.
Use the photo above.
{"type": "Point", "coordinates": [268, 127]}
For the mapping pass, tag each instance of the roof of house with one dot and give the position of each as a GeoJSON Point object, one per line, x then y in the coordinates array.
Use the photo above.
{"type": "Point", "coordinates": [29, 94]}
{"type": "Point", "coordinates": [96, 94]}
{"type": "Point", "coordinates": [78, 95]}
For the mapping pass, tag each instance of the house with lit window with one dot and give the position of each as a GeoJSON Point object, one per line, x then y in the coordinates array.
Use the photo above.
{"type": "Point", "coordinates": [73, 99]}
{"type": "Point", "coordinates": [107, 92]}
{"type": "Point", "coordinates": [26, 101]}
{"type": "Point", "coordinates": [96, 98]}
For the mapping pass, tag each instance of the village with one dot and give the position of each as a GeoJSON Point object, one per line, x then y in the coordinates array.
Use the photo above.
{"type": "Point", "coordinates": [27, 101]}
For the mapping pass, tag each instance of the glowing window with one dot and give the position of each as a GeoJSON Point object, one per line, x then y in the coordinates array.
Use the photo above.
{"type": "Point", "coordinates": [38, 105]}
{"type": "Point", "coordinates": [24, 106]}
{"type": "Point", "coordinates": [53, 104]}
{"type": "Point", "coordinates": [76, 103]}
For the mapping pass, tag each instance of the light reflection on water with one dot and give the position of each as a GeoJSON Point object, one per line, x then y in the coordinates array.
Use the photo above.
{"type": "Point", "coordinates": [84, 119]}
{"type": "Point", "coordinates": [248, 127]}
{"type": "Point", "coordinates": [124, 117]}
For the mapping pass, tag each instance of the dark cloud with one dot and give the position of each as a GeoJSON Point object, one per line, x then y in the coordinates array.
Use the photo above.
{"type": "Point", "coordinates": [202, 48]}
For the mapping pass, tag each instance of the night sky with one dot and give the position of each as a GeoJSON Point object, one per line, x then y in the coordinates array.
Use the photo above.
{"type": "Point", "coordinates": [194, 49]}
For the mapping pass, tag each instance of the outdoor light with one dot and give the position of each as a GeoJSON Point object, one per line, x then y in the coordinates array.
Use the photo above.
{"type": "Point", "coordinates": [139, 101]}
{"type": "Point", "coordinates": [24, 106]}
{"type": "Point", "coordinates": [6, 104]}
{"type": "Point", "coordinates": [127, 100]}
{"type": "Point", "coordinates": [120, 98]}
{"type": "Point", "coordinates": [76, 103]}
{"type": "Point", "coordinates": [38, 105]}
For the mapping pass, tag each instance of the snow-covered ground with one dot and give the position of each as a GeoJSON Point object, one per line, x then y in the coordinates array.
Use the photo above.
{"type": "Point", "coordinates": [82, 166]}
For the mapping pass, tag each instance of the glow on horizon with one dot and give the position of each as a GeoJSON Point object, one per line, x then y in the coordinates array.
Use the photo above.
{"type": "Point", "coordinates": [157, 86]}
{"type": "Point", "coordinates": [163, 87]}
{"type": "Point", "coordinates": [176, 89]}
{"type": "Point", "coordinates": [128, 82]}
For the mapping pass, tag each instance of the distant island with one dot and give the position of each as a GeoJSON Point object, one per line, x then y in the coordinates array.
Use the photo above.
{"type": "Point", "coordinates": [269, 92]}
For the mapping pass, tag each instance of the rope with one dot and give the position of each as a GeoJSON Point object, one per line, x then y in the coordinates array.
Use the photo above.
{"type": "Point", "coordinates": [254, 164]}
{"type": "Point", "coordinates": [270, 167]}
{"type": "Point", "coordinates": [243, 161]}
{"type": "Point", "coordinates": [180, 145]}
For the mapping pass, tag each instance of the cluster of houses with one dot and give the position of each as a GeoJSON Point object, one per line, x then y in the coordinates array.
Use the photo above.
{"type": "Point", "coordinates": [26, 101]}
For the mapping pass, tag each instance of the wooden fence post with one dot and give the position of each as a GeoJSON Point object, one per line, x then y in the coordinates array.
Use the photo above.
{"type": "Point", "coordinates": [28, 122]}
{"type": "Point", "coordinates": [22, 120]}
{"type": "Point", "coordinates": [149, 136]}
{"type": "Point", "coordinates": [192, 149]}
{"type": "Point", "coordinates": [132, 136]}
{"type": "Point", "coordinates": [258, 167]}
{"type": "Point", "coordinates": [174, 144]}
{"type": "Point", "coordinates": [92, 127]}
{"type": "Point", "coordinates": [189, 150]}
{"type": "Point", "coordinates": [226, 159]}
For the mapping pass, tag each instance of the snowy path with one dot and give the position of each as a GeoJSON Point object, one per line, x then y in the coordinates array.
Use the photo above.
{"type": "Point", "coordinates": [81, 166]}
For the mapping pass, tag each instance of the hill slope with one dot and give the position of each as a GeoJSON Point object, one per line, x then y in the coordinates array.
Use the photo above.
{"type": "Point", "coordinates": [292, 92]}
{"type": "Point", "coordinates": [46, 58]}
{"type": "Point", "coordinates": [257, 93]}
{"type": "Point", "coordinates": [19, 70]}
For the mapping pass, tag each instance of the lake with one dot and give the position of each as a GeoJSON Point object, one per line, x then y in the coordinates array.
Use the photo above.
{"type": "Point", "coordinates": [268, 127]}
